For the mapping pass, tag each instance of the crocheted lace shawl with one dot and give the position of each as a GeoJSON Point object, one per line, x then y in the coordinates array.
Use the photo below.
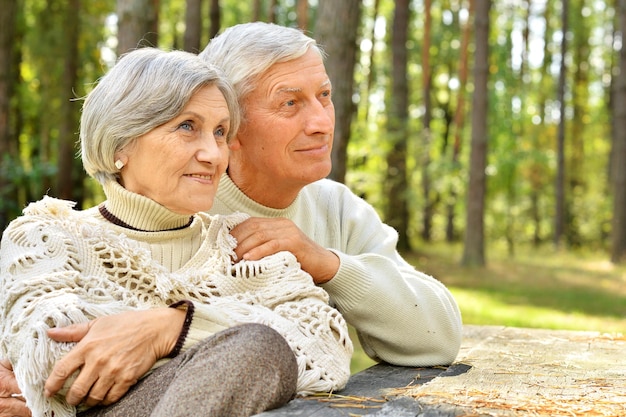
{"type": "Point", "coordinates": [59, 266]}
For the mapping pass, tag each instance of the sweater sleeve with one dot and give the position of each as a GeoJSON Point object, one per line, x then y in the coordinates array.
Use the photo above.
{"type": "Point", "coordinates": [206, 321]}
{"type": "Point", "coordinates": [402, 316]}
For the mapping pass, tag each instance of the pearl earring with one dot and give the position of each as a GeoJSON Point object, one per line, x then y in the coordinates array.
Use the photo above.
{"type": "Point", "coordinates": [119, 164]}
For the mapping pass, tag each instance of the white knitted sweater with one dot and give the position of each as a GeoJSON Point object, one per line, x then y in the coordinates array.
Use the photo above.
{"type": "Point", "coordinates": [60, 266]}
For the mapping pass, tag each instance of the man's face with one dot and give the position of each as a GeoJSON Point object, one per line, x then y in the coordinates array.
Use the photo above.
{"type": "Point", "coordinates": [286, 138]}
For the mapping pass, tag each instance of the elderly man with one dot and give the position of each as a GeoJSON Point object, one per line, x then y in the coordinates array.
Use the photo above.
{"type": "Point", "coordinates": [278, 162]}
{"type": "Point", "coordinates": [277, 165]}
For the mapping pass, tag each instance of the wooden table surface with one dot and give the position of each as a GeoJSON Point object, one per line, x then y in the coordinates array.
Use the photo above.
{"type": "Point", "coordinates": [500, 371]}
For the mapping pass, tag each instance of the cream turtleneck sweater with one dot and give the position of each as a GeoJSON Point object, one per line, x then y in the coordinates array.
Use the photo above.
{"type": "Point", "coordinates": [60, 266]}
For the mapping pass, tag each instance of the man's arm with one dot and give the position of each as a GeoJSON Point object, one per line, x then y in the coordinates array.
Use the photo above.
{"type": "Point", "coordinates": [402, 316]}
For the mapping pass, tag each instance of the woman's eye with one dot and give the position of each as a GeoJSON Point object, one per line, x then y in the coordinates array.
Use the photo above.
{"type": "Point", "coordinates": [220, 132]}
{"type": "Point", "coordinates": [186, 125]}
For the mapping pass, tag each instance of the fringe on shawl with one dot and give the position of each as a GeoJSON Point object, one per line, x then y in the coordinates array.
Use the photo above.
{"type": "Point", "coordinates": [38, 354]}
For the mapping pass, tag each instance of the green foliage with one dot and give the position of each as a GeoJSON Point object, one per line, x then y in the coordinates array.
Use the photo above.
{"type": "Point", "coordinates": [21, 182]}
{"type": "Point", "coordinates": [523, 118]}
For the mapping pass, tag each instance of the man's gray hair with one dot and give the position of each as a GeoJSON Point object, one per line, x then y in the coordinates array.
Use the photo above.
{"type": "Point", "coordinates": [246, 51]}
{"type": "Point", "coordinates": [146, 88]}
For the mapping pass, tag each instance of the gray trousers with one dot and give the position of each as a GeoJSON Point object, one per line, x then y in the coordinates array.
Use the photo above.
{"type": "Point", "coordinates": [240, 371]}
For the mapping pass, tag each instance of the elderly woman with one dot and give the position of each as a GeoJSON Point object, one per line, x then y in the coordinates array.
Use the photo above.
{"type": "Point", "coordinates": [138, 307]}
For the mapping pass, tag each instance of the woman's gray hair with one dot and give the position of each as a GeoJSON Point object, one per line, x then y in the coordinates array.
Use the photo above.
{"type": "Point", "coordinates": [146, 88]}
{"type": "Point", "coordinates": [246, 51]}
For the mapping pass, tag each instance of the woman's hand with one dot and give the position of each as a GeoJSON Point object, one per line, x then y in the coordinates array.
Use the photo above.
{"type": "Point", "coordinates": [112, 353]}
{"type": "Point", "coordinates": [12, 404]}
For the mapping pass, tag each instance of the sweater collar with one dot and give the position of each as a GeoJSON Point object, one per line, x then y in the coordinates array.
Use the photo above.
{"type": "Point", "coordinates": [231, 196]}
{"type": "Point", "coordinates": [141, 213]}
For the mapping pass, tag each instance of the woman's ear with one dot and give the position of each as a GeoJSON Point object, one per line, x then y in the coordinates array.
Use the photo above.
{"type": "Point", "coordinates": [120, 159]}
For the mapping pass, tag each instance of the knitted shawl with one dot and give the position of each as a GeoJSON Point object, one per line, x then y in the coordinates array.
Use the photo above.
{"type": "Point", "coordinates": [60, 266]}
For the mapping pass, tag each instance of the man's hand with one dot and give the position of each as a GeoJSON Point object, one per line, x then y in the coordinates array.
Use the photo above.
{"type": "Point", "coordinates": [12, 404]}
{"type": "Point", "coordinates": [260, 237]}
{"type": "Point", "coordinates": [112, 353]}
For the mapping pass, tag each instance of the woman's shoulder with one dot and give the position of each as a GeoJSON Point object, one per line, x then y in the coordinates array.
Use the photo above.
{"type": "Point", "coordinates": [227, 221]}
{"type": "Point", "coordinates": [50, 206]}
{"type": "Point", "coordinates": [47, 213]}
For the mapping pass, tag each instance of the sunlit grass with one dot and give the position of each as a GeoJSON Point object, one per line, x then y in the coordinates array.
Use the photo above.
{"type": "Point", "coordinates": [536, 288]}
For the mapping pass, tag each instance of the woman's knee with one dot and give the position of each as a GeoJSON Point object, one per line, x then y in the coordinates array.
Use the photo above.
{"type": "Point", "coordinates": [267, 345]}
{"type": "Point", "coordinates": [271, 358]}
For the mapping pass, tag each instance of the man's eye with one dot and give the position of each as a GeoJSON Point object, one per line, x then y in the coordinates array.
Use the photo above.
{"type": "Point", "coordinates": [290, 103]}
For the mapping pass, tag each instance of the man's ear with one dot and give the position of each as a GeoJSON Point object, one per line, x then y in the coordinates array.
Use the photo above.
{"type": "Point", "coordinates": [234, 144]}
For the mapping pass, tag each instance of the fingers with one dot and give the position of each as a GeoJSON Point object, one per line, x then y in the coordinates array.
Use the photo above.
{"type": "Point", "coordinates": [260, 237]}
{"type": "Point", "coordinates": [12, 404]}
{"type": "Point", "coordinates": [71, 363]}
{"type": "Point", "coordinates": [8, 383]}
{"type": "Point", "coordinates": [257, 237]}
{"type": "Point", "coordinates": [106, 394]}
{"type": "Point", "coordinates": [92, 387]}
{"type": "Point", "coordinates": [6, 364]}
{"type": "Point", "coordinates": [63, 371]}
{"type": "Point", "coordinates": [14, 407]}
{"type": "Point", "coordinates": [72, 333]}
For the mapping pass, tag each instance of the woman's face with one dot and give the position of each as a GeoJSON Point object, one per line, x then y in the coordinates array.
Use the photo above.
{"type": "Point", "coordinates": [179, 163]}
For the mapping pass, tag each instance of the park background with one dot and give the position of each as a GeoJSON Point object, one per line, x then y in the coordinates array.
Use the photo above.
{"type": "Point", "coordinates": [490, 135]}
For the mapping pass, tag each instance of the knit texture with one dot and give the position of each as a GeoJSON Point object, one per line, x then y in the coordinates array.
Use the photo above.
{"type": "Point", "coordinates": [60, 266]}
{"type": "Point", "coordinates": [402, 315]}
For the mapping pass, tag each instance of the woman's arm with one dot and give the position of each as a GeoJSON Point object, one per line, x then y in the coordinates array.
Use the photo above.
{"type": "Point", "coordinates": [112, 353]}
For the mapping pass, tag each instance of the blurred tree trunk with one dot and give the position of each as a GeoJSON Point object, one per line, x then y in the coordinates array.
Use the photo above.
{"type": "Point", "coordinates": [618, 237]}
{"type": "Point", "coordinates": [577, 179]}
{"type": "Point", "coordinates": [474, 243]}
{"type": "Point", "coordinates": [69, 176]}
{"type": "Point", "coordinates": [137, 24]}
{"type": "Point", "coordinates": [518, 128]}
{"type": "Point", "coordinates": [215, 19]}
{"type": "Point", "coordinates": [271, 16]}
{"type": "Point", "coordinates": [302, 13]}
{"type": "Point", "coordinates": [559, 215]}
{"type": "Point", "coordinates": [193, 26]}
{"type": "Point", "coordinates": [537, 171]}
{"type": "Point", "coordinates": [371, 76]}
{"type": "Point", "coordinates": [429, 203]}
{"type": "Point", "coordinates": [336, 31]}
{"type": "Point", "coordinates": [459, 121]}
{"type": "Point", "coordinates": [8, 10]}
{"type": "Point", "coordinates": [397, 212]}
{"type": "Point", "coordinates": [256, 11]}
{"type": "Point", "coordinates": [9, 78]}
